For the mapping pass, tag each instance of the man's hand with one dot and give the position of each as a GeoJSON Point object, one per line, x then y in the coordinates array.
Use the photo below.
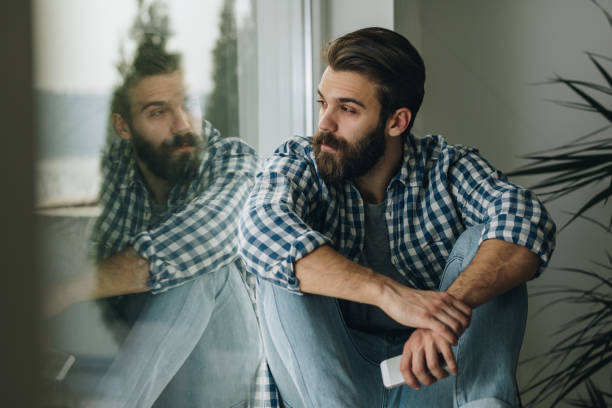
{"type": "Point", "coordinates": [423, 358]}
{"type": "Point", "coordinates": [437, 311]}
{"type": "Point", "coordinates": [123, 273]}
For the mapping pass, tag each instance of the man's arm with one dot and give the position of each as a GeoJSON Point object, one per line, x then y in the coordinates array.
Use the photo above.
{"type": "Point", "coordinates": [326, 272]}
{"type": "Point", "coordinates": [497, 267]}
{"type": "Point", "coordinates": [124, 273]}
{"type": "Point", "coordinates": [201, 236]}
{"type": "Point", "coordinates": [517, 241]}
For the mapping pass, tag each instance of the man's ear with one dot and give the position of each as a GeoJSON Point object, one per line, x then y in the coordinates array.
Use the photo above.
{"type": "Point", "coordinates": [398, 122]}
{"type": "Point", "coordinates": [121, 126]}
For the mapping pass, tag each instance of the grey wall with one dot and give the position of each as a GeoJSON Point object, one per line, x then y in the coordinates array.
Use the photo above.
{"type": "Point", "coordinates": [482, 59]}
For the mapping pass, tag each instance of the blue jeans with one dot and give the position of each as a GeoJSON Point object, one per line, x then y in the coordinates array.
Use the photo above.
{"type": "Point", "coordinates": [197, 345]}
{"type": "Point", "coordinates": [317, 361]}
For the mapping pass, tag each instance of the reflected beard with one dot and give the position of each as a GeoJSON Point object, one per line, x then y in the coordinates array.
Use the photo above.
{"type": "Point", "coordinates": [160, 161]}
{"type": "Point", "coordinates": [348, 161]}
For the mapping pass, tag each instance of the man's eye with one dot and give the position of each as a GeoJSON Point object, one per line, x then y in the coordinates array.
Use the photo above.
{"type": "Point", "coordinates": [321, 102]}
{"type": "Point", "coordinates": [156, 112]}
{"type": "Point", "coordinates": [348, 109]}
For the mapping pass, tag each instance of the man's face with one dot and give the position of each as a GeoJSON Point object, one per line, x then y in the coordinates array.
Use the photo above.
{"type": "Point", "coordinates": [166, 127]}
{"type": "Point", "coordinates": [351, 137]}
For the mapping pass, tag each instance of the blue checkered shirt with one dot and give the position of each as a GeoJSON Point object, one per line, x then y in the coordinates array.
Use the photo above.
{"type": "Point", "coordinates": [439, 191]}
{"type": "Point", "coordinates": [197, 231]}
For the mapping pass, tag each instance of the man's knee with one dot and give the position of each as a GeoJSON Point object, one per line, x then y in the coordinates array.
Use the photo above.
{"type": "Point", "coordinates": [462, 254]}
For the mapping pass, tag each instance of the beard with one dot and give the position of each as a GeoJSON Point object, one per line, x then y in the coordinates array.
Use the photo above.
{"type": "Point", "coordinates": [348, 161]}
{"type": "Point", "coordinates": [164, 163]}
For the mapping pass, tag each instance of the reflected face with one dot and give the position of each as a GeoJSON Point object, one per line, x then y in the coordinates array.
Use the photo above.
{"type": "Point", "coordinates": [166, 128]}
{"type": "Point", "coordinates": [351, 136]}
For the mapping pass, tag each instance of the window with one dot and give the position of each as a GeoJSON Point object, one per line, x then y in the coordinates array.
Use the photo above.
{"type": "Point", "coordinates": [244, 61]}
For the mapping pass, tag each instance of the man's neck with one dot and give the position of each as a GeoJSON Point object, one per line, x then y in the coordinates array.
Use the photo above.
{"type": "Point", "coordinates": [158, 188]}
{"type": "Point", "coordinates": [373, 184]}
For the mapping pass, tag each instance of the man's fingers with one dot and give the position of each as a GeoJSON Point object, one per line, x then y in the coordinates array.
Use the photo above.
{"type": "Point", "coordinates": [462, 307]}
{"type": "Point", "coordinates": [443, 330]}
{"type": "Point", "coordinates": [433, 362]}
{"type": "Point", "coordinates": [406, 370]}
{"type": "Point", "coordinates": [459, 321]}
{"type": "Point", "coordinates": [420, 369]}
{"type": "Point", "coordinates": [448, 357]}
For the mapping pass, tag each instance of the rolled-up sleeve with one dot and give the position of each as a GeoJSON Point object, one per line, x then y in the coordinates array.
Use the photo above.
{"type": "Point", "coordinates": [508, 212]}
{"type": "Point", "coordinates": [200, 236]}
{"type": "Point", "coordinates": [274, 232]}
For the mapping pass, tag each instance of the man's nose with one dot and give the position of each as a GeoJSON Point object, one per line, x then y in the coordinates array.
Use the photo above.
{"type": "Point", "coordinates": [327, 121]}
{"type": "Point", "coordinates": [183, 122]}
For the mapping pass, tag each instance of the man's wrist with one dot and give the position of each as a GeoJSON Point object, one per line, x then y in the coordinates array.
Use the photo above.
{"type": "Point", "coordinates": [386, 291]}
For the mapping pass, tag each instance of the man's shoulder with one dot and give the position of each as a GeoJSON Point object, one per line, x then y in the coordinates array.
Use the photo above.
{"type": "Point", "coordinates": [435, 147]}
{"type": "Point", "coordinates": [228, 146]}
{"type": "Point", "coordinates": [116, 157]}
{"type": "Point", "coordinates": [297, 145]}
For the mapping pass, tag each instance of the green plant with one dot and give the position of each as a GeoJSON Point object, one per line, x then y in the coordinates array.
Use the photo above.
{"type": "Point", "coordinates": [597, 398]}
{"type": "Point", "coordinates": [586, 160]}
{"type": "Point", "coordinates": [585, 347]}
{"type": "Point", "coordinates": [586, 344]}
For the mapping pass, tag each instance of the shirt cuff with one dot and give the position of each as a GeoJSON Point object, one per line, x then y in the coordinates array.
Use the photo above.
{"type": "Point", "coordinates": [282, 272]}
{"type": "Point", "coordinates": [521, 231]}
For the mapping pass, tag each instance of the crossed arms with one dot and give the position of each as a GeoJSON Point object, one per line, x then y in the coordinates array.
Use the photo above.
{"type": "Point", "coordinates": [440, 317]}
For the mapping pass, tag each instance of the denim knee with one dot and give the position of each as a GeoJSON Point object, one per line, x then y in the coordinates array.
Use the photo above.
{"type": "Point", "coordinates": [462, 254]}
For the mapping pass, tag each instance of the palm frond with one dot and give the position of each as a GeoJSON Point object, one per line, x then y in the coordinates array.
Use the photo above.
{"type": "Point", "coordinates": [585, 346]}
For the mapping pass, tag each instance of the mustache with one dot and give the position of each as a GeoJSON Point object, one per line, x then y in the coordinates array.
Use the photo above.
{"type": "Point", "coordinates": [182, 140]}
{"type": "Point", "coordinates": [329, 139]}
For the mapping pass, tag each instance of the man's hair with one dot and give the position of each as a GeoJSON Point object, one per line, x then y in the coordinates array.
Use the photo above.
{"type": "Point", "coordinates": [388, 59]}
{"type": "Point", "coordinates": [151, 59]}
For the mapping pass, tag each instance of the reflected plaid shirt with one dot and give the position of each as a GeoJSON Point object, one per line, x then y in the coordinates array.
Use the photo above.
{"type": "Point", "coordinates": [196, 234]}
{"type": "Point", "coordinates": [439, 191]}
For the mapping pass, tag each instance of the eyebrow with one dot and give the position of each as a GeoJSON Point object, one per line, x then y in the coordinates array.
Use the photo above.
{"type": "Point", "coordinates": [152, 103]}
{"type": "Point", "coordinates": [345, 100]}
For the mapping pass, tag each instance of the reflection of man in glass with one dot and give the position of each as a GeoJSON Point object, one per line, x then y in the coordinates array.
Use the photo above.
{"type": "Point", "coordinates": [171, 192]}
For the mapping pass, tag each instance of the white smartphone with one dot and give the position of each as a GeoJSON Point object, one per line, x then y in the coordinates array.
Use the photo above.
{"type": "Point", "coordinates": [391, 374]}
{"type": "Point", "coordinates": [390, 369]}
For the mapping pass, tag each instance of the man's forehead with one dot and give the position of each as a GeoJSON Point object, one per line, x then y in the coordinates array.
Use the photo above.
{"type": "Point", "coordinates": [161, 87]}
{"type": "Point", "coordinates": [347, 84]}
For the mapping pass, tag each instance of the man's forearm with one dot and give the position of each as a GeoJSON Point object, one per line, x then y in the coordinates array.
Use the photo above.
{"type": "Point", "coordinates": [497, 267]}
{"type": "Point", "coordinates": [124, 273]}
{"type": "Point", "coordinates": [326, 272]}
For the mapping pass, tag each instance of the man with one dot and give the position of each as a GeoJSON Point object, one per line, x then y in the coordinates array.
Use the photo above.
{"type": "Point", "coordinates": [368, 243]}
{"type": "Point", "coordinates": [172, 188]}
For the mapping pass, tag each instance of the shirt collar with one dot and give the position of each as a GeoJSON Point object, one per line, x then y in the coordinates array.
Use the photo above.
{"type": "Point", "coordinates": [408, 170]}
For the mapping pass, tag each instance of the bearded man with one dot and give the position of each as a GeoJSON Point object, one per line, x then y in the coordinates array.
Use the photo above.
{"type": "Point", "coordinates": [368, 243]}
{"type": "Point", "coordinates": [166, 250]}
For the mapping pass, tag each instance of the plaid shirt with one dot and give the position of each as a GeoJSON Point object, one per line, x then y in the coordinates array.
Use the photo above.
{"type": "Point", "coordinates": [197, 232]}
{"type": "Point", "coordinates": [439, 191]}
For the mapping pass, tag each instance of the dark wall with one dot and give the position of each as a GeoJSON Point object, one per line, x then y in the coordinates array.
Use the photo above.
{"type": "Point", "coordinates": [19, 292]}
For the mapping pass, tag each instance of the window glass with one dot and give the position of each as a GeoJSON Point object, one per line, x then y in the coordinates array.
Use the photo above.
{"type": "Point", "coordinates": [144, 119]}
